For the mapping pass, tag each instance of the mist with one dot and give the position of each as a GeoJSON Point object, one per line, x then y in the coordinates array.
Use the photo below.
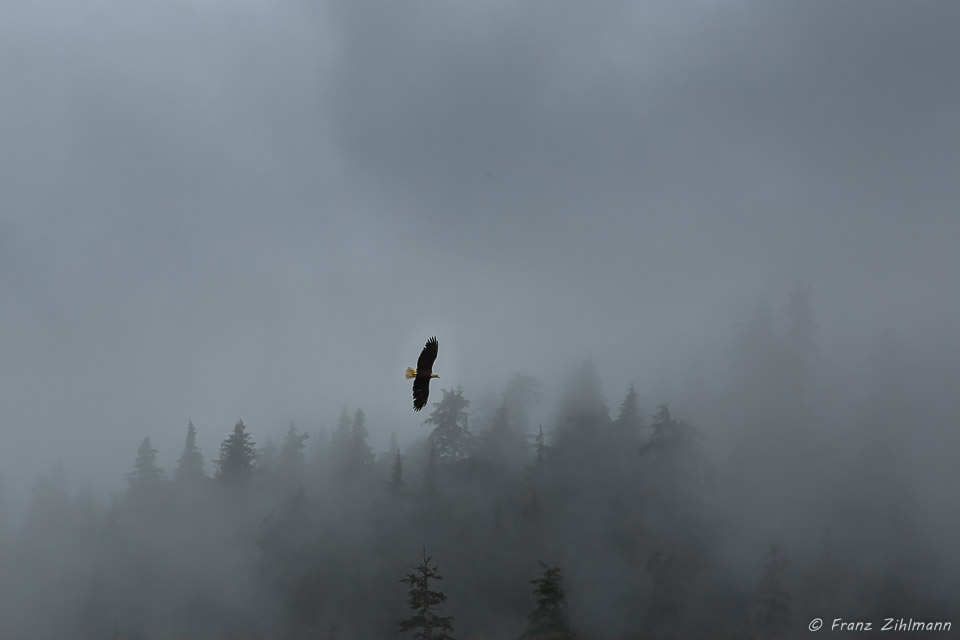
{"type": "Point", "coordinates": [711, 251]}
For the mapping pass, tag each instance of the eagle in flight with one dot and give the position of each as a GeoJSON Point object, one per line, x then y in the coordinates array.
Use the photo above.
{"type": "Point", "coordinates": [423, 374]}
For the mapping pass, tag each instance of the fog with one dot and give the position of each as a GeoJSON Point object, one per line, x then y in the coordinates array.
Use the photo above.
{"type": "Point", "coordinates": [214, 212]}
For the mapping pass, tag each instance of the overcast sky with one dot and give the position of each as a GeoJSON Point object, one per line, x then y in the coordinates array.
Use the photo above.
{"type": "Point", "coordinates": [223, 210]}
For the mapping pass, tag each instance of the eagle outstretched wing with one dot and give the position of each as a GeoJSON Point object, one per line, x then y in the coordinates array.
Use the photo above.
{"type": "Point", "coordinates": [421, 391]}
{"type": "Point", "coordinates": [427, 357]}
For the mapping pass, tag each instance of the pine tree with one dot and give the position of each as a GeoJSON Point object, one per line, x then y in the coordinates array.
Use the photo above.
{"type": "Point", "coordinates": [237, 456]}
{"type": "Point", "coordinates": [450, 435]}
{"type": "Point", "coordinates": [425, 619]}
{"type": "Point", "coordinates": [773, 602]}
{"type": "Point", "coordinates": [190, 463]}
{"type": "Point", "coordinates": [146, 476]}
{"type": "Point", "coordinates": [670, 436]}
{"type": "Point", "coordinates": [629, 422]}
{"type": "Point", "coordinates": [550, 620]}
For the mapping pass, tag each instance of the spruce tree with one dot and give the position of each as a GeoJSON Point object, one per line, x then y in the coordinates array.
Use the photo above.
{"type": "Point", "coordinates": [146, 475]}
{"type": "Point", "coordinates": [629, 421]}
{"type": "Point", "coordinates": [238, 455]}
{"type": "Point", "coordinates": [550, 620]}
{"type": "Point", "coordinates": [669, 436]}
{"type": "Point", "coordinates": [450, 436]}
{"type": "Point", "coordinates": [425, 603]}
{"type": "Point", "coordinates": [190, 463]}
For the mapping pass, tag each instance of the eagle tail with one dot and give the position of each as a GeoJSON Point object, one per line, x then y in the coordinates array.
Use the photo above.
{"type": "Point", "coordinates": [411, 373]}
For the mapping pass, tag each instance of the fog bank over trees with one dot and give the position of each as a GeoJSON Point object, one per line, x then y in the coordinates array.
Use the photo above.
{"type": "Point", "coordinates": [617, 518]}
{"type": "Point", "coordinates": [692, 268]}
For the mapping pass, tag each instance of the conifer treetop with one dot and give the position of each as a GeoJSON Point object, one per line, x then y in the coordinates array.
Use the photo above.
{"type": "Point", "coordinates": [425, 619]}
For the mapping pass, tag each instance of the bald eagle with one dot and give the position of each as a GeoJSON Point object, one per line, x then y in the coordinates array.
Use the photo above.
{"type": "Point", "coordinates": [423, 374]}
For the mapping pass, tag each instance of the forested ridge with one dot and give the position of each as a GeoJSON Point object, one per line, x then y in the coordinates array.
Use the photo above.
{"type": "Point", "coordinates": [607, 521]}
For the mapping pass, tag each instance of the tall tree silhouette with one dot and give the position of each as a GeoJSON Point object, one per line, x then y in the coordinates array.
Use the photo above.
{"type": "Point", "coordinates": [550, 619]}
{"type": "Point", "coordinates": [146, 477]}
{"type": "Point", "coordinates": [425, 604]}
{"type": "Point", "coordinates": [340, 438]}
{"type": "Point", "coordinates": [190, 463]}
{"type": "Point", "coordinates": [238, 456]}
{"type": "Point", "coordinates": [450, 435]}
{"type": "Point", "coordinates": [629, 421]}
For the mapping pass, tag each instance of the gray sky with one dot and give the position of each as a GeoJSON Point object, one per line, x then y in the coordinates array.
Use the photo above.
{"type": "Point", "coordinates": [219, 210]}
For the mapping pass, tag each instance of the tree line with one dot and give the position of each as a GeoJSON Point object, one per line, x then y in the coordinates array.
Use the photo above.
{"type": "Point", "coordinates": [595, 525]}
